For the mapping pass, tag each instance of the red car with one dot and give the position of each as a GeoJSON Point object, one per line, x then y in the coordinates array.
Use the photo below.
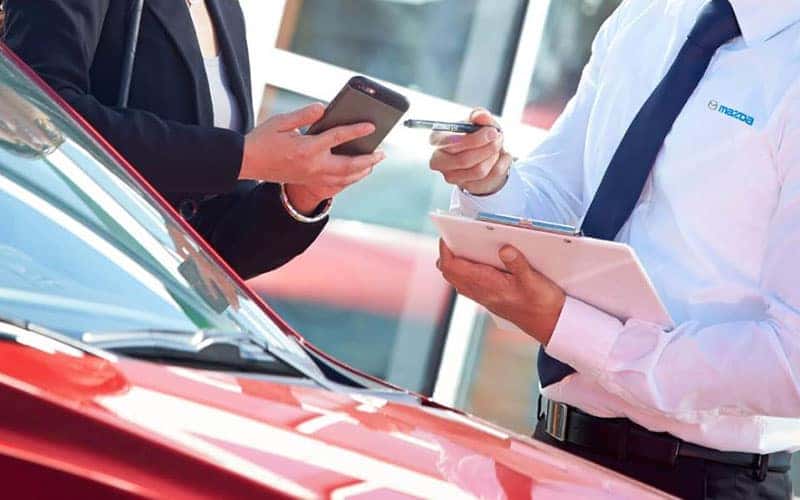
{"type": "Point", "coordinates": [134, 364]}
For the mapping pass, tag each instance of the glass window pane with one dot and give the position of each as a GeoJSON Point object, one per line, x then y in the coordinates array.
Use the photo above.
{"type": "Point", "coordinates": [459, 50]}
{"type": "Point", "coordinates": [566, 46]}
{"type": "Point", "coordinates": [502, 385]}
{"type": "Point", "coordinates": [368, 291]}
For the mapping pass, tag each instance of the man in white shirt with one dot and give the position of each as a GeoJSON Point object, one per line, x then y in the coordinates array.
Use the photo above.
{"type": "Point", "coordinates": [683, 141]}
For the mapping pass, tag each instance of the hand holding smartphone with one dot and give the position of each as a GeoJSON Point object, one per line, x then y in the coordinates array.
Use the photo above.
{"type": "Point", "coordinates": [362, 100]}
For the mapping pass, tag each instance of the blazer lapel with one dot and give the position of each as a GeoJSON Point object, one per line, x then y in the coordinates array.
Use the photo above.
{"type": "Point", "coordinates": [230, 27]}
{"type": "Point", "coordinates": [174, 16]}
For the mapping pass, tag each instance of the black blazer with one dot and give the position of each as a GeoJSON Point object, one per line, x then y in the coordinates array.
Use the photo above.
{"type": "Point", "coordinates": [167, 130]}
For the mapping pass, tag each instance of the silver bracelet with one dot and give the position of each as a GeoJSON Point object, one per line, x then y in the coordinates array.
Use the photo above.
{"type": "Point", "coordinates": [296, 215]}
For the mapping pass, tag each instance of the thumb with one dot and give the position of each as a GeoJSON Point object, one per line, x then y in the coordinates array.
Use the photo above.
{"type": "Point", "coordinates": [481, 116]}
{"type": "Point", "coordinates": [515, 262]}
{"type": "Point", "coordinates": [300, 118]}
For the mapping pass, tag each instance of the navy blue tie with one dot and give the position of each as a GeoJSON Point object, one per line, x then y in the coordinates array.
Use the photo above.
{"type": "Point", "coordinates": [630, 166]}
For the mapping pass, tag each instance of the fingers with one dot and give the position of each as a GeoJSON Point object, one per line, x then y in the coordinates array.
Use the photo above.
{"type": "Point", "coordinates": [517, 264]}
{"type": "Point", "coordinates": [347, 165]}
{"type": "Point", "coordinates": [445, 254]}
{"type": "Point", "coordinates": [357, 177]}
{"type": "Point", "coordinates": [477, 173]}
{"type": "Point", "coordinates": [456, 143]}
{"type": "Point", "coordinates": [343, 171]}
{"type": "Point", "coordinates": [348, 180]}
{"type": "Point", "coordinates": [494, 180]}
{"type": "Point", "coordinates": [341, 135]}
{"type": "Point", "coordinates": [455, 268]}
{"type": "Point", "coordinates": [450, 265]}
{"type": "Point", "coordinates": [300, 118]}
{"type": "Point", "coordinates": [484, 157]}
{"type": "Point", "coordinates": [481, 116]}
{"type": "Point", "coordinates": [477, 281]}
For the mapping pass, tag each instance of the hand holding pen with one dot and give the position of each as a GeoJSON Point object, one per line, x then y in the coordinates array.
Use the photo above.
{"type": "Point", "coordinates": [447, 127]}
{"type": "Point", "coordinates": [475, 162]}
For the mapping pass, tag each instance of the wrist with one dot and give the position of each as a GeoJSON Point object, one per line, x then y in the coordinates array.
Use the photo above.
{"type": "Point", "coordinates": [247, 170]}
{"type": "Point", "coordinates": [303, 200]}
{"type": "Point", "coordinates": [490, 190]}
{"type": "Point", "coordinates": [540, 321]}
{"type": "Point", "coordinates": [497, 181]}
{"type": "Point", "coordinates": [322, 210]}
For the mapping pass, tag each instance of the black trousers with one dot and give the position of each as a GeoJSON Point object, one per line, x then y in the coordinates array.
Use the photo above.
{"type": "Point", "coordinates": [690, 478]}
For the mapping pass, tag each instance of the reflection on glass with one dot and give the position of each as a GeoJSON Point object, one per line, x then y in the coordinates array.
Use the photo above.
{"type": "Point", "coordinates": [566, 46]}
{"type": "Point", "coordinates": [209, 280]}
{"type": "Point", "coordinates": [25, 129]}
{"type": "Point", "coordinates": [82, 248]}
{"type": "Point", "coordinates": [368, 291]}
{"type": "Point", "coordinates": [489, 391]}
{"type": "Point", "coordinates": [458, 50]}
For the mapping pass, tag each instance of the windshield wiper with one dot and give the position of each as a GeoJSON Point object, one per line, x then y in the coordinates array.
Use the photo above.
{"type": "Point", "coordinates": [20, 331]}
{"type": "Point", "coordinates": [211, 350]}
{"type": "Point", "coordinates": [220, 351]}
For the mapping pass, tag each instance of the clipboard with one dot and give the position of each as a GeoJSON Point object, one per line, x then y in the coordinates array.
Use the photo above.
{"type": "Point", "coordinates": [605, 274]}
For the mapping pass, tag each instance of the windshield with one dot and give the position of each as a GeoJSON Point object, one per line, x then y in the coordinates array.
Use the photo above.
{"type": "Point", "coordinates": [84, 249]}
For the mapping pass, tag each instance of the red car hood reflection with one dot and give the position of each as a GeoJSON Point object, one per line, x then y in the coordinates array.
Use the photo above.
{"type": "Point", "coordinates": [160, 431]}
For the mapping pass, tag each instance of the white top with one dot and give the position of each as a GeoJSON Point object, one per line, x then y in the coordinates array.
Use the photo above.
{"type": "Point", "coordinates": [226, 110]}
{"type": "Point", "coordinates": [717, 228]}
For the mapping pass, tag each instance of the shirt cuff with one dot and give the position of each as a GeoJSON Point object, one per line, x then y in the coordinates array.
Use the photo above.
{"type": "Point", "coordinates": [503, 202]}
{"type": "Point", "coordinates": [583, 337]}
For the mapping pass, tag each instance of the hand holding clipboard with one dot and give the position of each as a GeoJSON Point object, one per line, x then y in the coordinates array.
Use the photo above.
{"type": "Point", "coordinates": [604, 274]}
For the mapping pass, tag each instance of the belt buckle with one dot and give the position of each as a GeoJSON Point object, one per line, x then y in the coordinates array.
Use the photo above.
{"type": "Point", "coordinates": [761, 468]}
{"type": "Point", "coordinates": [556, 420]}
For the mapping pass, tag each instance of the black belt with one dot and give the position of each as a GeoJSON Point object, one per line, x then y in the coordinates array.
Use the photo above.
{"type": "Point", "coordinates": [624, 439]}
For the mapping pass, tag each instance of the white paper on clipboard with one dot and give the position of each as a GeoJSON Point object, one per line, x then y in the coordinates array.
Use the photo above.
{"type": "Point", "coordinates": [605, 274]}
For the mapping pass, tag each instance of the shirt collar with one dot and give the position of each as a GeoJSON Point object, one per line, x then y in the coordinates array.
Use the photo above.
{"type": "Point", "coordinates": [761, 19]}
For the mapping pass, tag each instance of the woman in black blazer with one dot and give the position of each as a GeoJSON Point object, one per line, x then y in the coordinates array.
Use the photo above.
{"type": "Point", "coordinates": [213, 175]}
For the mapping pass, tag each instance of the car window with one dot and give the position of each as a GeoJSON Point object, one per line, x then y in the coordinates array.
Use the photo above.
{"type": "Point", "coordinates": [83, 248]}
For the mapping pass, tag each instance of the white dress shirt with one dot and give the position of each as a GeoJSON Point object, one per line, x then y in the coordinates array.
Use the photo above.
{"type": "Point", "coordinates": [717, 229]}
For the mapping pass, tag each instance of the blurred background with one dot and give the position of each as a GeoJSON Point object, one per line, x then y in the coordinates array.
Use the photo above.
{"type": "Point", "coordinates": [368, 291]}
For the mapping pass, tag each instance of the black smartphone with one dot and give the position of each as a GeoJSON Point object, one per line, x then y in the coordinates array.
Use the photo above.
{"type": "Point", "coordinates": [362, 100]}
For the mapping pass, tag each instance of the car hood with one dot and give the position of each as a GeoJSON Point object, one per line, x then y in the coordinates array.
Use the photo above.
{"type": "Point", "coordinates": [175, 429]}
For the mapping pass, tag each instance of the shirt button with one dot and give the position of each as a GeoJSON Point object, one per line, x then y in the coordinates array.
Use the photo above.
{"type": "Point", "coordinates": [187, 208]}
